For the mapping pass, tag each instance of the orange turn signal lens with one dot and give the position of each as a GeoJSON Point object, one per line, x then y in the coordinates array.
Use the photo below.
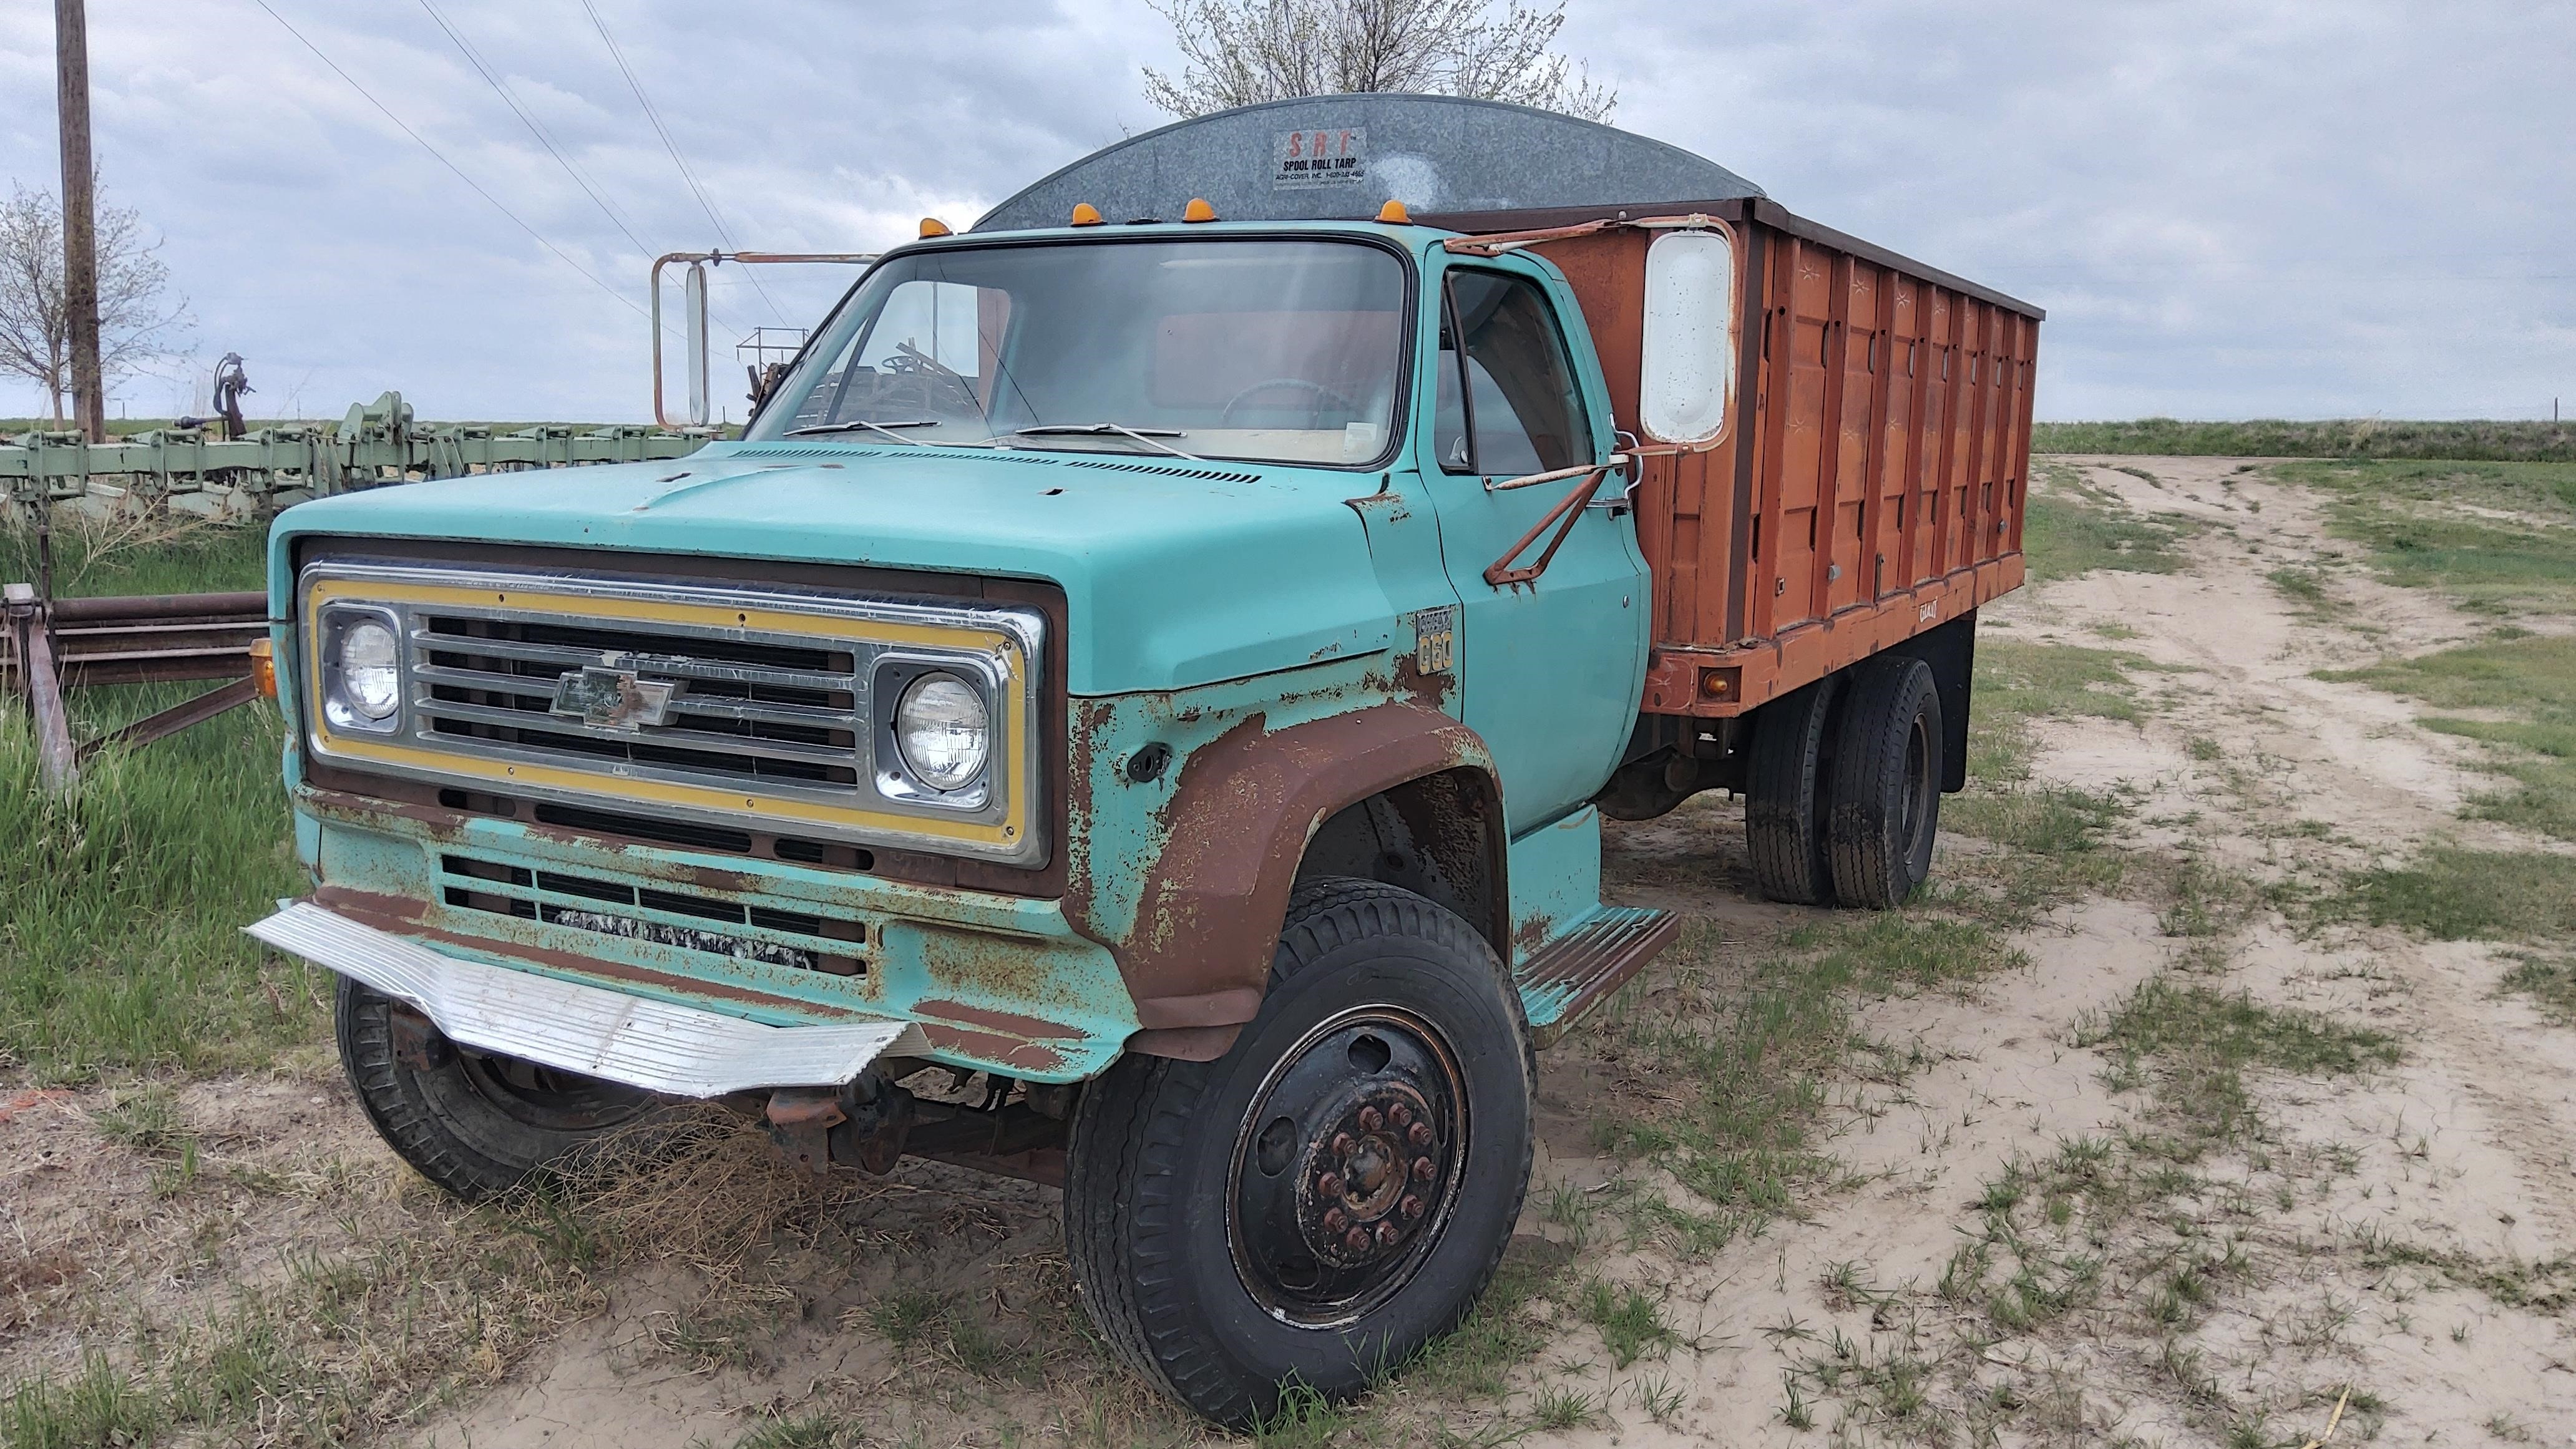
{"type": "Point", "coordinates": [1198, 210]}
{"type": "Point", "coordinates": [263, 668]}
{"type": "Point", "coordinates": [1394, 214]}
{"type": "Point", "coordinates": [932, 226]}
{"type": "Point", "coordinates": [1086, 214]}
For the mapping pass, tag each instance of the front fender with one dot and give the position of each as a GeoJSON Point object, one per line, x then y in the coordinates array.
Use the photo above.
{"type": "Point", "coordinates": [1186, 878]}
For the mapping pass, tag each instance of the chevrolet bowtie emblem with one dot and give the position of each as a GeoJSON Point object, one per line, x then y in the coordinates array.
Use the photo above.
{"type": "Point", "coordinates": [613, 699]}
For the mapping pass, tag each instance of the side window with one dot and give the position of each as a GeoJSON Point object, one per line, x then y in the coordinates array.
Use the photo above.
{"type": "Point", "coordinates": [1507, 402]}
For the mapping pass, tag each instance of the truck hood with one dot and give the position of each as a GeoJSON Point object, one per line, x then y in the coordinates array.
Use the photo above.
{"type": "Point", "coordinates": [1173, 575]}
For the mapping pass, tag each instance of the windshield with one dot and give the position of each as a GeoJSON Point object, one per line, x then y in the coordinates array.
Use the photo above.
{"type": "Point", "coordinates": [1277, 350]}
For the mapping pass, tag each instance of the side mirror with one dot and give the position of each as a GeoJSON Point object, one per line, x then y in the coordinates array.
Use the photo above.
{"type": "Point", "coordinates": [1686, 380]}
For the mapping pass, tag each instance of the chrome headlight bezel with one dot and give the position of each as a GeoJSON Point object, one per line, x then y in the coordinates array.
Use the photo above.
{"type": "Point", "coordinates": [897, 776]}
{"type": "Point", "coordinates": [340, 710]}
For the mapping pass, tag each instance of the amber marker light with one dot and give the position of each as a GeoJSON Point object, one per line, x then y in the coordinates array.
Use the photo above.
{"type": "Point", "coordinates": [263, 668]}
{"type": "Point", "coordinates": [1086, 214]}
{"type": "Point", "coordinates": [932, 226]}
{"type": "Point", "coordinates": [1394, 214]}
{"type": "Point", "coordinates": [1198, 210]}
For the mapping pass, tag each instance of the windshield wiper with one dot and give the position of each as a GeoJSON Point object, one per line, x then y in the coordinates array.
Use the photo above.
{"type": "Point", "coordinates": [887, 428]}
{"type": "Point", "coordinates": [1145, 436]}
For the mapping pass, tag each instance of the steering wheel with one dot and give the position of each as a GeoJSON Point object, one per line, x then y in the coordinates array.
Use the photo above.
{"type": "Point", "coordinates": [1309, 384]}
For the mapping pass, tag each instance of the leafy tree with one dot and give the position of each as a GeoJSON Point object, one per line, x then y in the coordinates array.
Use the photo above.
{"type": "Point", "coordinates": [135, 322]}
{"type": "Point", "coordinates": [1241, 52]}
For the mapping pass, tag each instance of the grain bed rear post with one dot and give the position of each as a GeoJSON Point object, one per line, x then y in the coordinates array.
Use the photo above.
{"type": "Point", "coordinates": [1863, 493]}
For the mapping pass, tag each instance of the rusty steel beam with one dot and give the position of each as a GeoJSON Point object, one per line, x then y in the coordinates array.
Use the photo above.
{"type": "Point", "coordinates": [58, 768]}
{"type": "Point", "coordinates": [176, 718]}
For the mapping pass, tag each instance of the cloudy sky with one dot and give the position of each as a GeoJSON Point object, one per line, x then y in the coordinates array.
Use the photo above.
{"type": "Point", "coordinates": [2231, 208]}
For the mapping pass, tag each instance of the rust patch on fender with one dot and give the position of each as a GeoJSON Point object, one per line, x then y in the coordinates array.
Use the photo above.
{"type": "Point", "coordinates": [1026, 1056]}
{"type": "Point", "coordinates": [1230, 1007]}
{"type": "Point", "coordinates": [1234, 829]}
{"type": "Point", "coordinates": [1429, 690]}
{"type": "Point", "coordinates": [1009, 1023]}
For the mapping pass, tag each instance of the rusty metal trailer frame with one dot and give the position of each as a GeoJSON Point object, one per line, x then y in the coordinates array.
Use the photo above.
{"type": "Point", "coordinates": [377, 443]}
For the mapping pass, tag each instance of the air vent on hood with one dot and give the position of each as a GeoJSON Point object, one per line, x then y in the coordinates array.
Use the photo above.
{"type": "Point", "coordinates": [990, 455]}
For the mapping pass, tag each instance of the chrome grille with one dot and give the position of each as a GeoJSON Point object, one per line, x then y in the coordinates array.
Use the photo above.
{"type": "Point", "coordinates": [711, 707]}
{"type": "Point", "coordinates": [739, 711]}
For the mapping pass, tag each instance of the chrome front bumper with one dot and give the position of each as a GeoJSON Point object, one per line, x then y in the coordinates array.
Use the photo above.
{"type": "Point", "coordinates": [659, 1046]}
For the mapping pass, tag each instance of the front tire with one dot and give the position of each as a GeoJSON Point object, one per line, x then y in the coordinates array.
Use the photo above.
{"type": "Point", "coordinates": [475, 1124]}
{"type": "Point", "coordinates": [1336, 1190]}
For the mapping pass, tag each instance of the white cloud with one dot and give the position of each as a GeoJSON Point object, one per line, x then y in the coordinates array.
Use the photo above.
{"type": "Point", "coordinates": [2229, 208]}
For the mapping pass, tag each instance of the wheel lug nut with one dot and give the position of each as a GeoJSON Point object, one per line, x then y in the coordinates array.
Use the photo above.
{"type": "Point", "coordinates": [1342, 1144]}
{"type": "Point", "coordinates": [1422, 1169]}
{"type": "Point", "coordinates": [1335, 1220]}
{"type": "Point", "coordinates": [1399, 1114]}
{"type": "Point", "coordinates": [1420, 1136]}
{"type": "Point", "coordinates": [1330, 1184]}
{"type": "Point", "coordinates": [1386, 1235]}
{"type": "Point", "coordinates": [1412, 1206]}
{"type": "Point", "coordinates": [1370, 1121]}
{"type": "Point", "coordinates": [1357, 1240]}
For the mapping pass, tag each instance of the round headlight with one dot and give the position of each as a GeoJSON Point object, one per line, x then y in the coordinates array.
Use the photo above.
{"type": "Point", "coordinates": [943, 730]}
{"type": "Point", "coordinates": [367, 675]}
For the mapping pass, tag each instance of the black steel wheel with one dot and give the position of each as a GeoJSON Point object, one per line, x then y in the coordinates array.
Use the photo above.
{"type": "Point", "coordinates": [1887, 783]}
{"type": "Point", "coordinates": [1788, 783]}
{"type": "Point", "coordinates": [474, 1123]}
{"type": "Point", "coordinates": [1331, 1194]}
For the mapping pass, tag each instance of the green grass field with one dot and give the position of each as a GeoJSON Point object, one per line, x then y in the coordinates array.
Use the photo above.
{"type": "Point", "coordinates": [2343, 438]}
{"type": "Point", "coordinates": [121, 905]}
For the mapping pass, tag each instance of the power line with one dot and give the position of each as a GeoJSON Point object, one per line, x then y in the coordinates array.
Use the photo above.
{"type": "Point", "coordinates": [546, 139]}
{"type": "Point", "coordinates": [673, 147]}
{"type": "Point", "coordinates": [623, 300]}
{"type": "Point", "coordinates": [534, 129]}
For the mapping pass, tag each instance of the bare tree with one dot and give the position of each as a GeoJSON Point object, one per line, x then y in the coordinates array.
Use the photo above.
{"type": "Point", "coordinates": [1241, 52]}
{"type": "Point", "coordinates": [136, 323]}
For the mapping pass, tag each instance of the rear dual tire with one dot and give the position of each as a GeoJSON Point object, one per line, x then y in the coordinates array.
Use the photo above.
{"type": "Point", "coordinates": [1843, 798]}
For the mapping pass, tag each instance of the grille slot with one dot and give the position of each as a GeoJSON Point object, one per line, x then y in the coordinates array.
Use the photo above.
{"type": "Point", "coordinates": [740, 710]}
{"type": "Point", "coordinates": [709, 924]}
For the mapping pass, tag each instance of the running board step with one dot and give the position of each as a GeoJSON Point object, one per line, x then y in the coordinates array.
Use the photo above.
{"type": "Point", "coordinates": [1576, 972]}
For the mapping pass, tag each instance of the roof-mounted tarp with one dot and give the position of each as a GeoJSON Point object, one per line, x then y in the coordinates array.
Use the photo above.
{"type": "Point", "coordinates": [1332, 158]}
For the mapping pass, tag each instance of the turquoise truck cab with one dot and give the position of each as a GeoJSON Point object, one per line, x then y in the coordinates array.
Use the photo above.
{"type": "Point", "coordinates": [634, 732]}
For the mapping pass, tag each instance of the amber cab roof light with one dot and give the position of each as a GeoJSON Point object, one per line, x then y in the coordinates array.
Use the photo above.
{"type": "Point", "coordinates": [1198, 210]}
{"type": "Point", "coordinates": [1394, 214]}
{"type": "Point", "coordinates": [1086, 214]}
{"type": "Point", "coordinates": [932, 226]}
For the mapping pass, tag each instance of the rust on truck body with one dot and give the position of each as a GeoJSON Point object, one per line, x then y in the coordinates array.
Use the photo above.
{"type": "Point", "coordinates": [1197, 960]}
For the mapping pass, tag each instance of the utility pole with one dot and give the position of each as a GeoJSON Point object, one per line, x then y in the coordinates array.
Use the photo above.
{"type": "Point", "coordinates": [80, 226]}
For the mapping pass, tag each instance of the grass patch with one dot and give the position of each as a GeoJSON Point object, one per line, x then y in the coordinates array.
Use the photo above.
{"type": "Point", "coordinates": [2422, 528]}
{"type": "Point", "coordinates": [1742, 1053]}
{"type": "Point", "coordinates": [2338, 438]}
{"type": "Point", "coordinates": [121, 904]}
{"type": "Point", "coordinates": [2472, 895]}
{"type": "Point", "coordinates": [2530, 677]}
{"type": "Point", "coordinates": [2072, 529]}
{"type": "Point", "coordinates": [2549, 981]}
{"type": "Point", "coordinates": [2199, 1043]}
